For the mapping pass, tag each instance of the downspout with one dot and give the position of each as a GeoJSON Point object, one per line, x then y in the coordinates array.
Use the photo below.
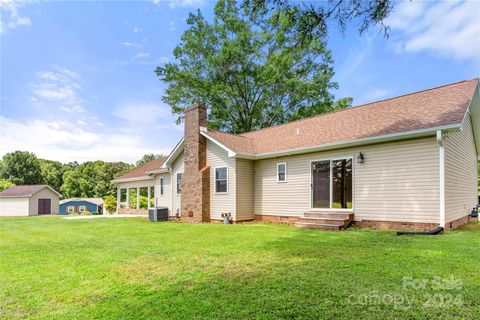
{"type": "Point", "coordinates": [171, 191]}
{"type": "Point", "coordinates": [441, 146]}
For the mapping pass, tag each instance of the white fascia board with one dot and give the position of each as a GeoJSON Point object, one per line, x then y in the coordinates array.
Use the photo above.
{"type": "Point", "coordinates": [352, 143]}
{"type": "Point", "coordinates": [162, 170]}
{"type": "Point", "coordinates": [474, 111]}
{"type": "Point", "coordinates": [231, 153]}
{"type": "Point", "coordinates": [173, 155]}
{"type": "Point", "coordinates": [142, 178]}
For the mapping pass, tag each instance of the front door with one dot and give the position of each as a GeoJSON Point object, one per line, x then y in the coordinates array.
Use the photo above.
{"type": "Point", "coordinates": [332, 184]}
{"type": "Point", "coordinates": [44, 206]}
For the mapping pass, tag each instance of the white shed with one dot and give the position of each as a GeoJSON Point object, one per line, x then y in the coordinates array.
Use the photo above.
{"type": "Point", "coordinates": [28, 200]}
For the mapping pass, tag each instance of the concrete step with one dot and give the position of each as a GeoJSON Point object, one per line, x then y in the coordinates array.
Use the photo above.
{"type": "Point", "coordinates": [322, 226]}
{"type": "Point", "coordinates": [326, 220]}
{"type": "Point", "coordinates": [329, 215]}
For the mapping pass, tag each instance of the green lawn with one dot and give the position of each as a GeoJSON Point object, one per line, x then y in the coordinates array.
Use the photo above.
{"type": "Point", "coordinates": [130, 268]}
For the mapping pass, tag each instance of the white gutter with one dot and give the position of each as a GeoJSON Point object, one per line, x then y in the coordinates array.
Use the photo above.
{"type": "Point", "coordinates": [441, 149]}
{"type": "Point", "coordinates": [351, 143]}
{"type": "Point", "coordinates": [163, 170]}
{"type": "Point", "coordinates": [132, 179]}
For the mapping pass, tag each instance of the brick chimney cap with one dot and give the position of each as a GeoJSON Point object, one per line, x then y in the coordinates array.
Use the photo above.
{"type": "Point", "coordinates": [195, 106]}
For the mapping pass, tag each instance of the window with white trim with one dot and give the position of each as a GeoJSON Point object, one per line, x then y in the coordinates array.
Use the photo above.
{"type": "Point", "coordinates": [161, 186]}
{"type": "Point", "coordinates": [81, 209]}
{"type": "Point", "coordinates": [282, 172]}
{"type": "Point", "coordinates": [70, 209]}
{"type": "Point", "coordinates": [179, 183]}
{"type": "Point", "coordinates": [221, 180]}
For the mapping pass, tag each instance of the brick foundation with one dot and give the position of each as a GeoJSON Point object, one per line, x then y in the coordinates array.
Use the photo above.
{"type": "Point", "coordinates": [219, 221]}
{"type": "Point", "coordinates": [459, 222]}
{"type": "Point", "coordinates": [131, 211]}
{"type": "Point", "coordinates": [276, 219]}
{"type": "Point", "coordinates": [380, 225]}
{"type": "Point", "coordinates": [396, 225]}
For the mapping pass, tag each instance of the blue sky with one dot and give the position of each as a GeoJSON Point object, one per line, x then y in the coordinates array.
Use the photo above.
{"type": "Point", "coordinates": [78, 81]}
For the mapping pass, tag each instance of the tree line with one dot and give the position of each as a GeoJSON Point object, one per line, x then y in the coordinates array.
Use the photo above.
{"type": "Point", "coordinates": [90, 179]}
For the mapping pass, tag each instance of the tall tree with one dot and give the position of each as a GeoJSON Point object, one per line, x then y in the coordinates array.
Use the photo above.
{"type": "Point", "coordinates": [52, 173]}
{"type": "Point", "coordinates": [314, 17]}
{"type": "Point", "coordinates": [92, 179]}
{"type": "Point", "coordinates": [250, 69]}
{"type": "Point", "coordinates": [21, 167]}
{"type": "Point", "coordinates": [147, 158]}
{"type": "Point", "coordinates": [5, 184]}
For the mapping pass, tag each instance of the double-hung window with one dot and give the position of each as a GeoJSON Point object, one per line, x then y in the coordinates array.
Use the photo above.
{"type": "Point", "coordinates": [282, 172]}
{"type": "Point", "coordinates": [179, 183]}
{"type": "Point", "coordinates": [70, 209]}
{"type": "Point", "coordinates": [81, 209]}
{"type": "Point", "coordinates": [221, 180]}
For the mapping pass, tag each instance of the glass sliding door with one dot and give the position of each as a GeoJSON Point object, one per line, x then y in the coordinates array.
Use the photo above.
{"type": "Point", "coordinates": [332, 184]}
{"type": "Point", "coordinates": [342, 184]}
{"type": "Point", "coordinates": [321, 184]}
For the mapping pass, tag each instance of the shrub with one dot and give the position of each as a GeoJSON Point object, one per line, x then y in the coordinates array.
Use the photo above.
{"type": "Point", "coordinates": [86, 213]}
{"type": "Point", "coordinates": [110, 203]}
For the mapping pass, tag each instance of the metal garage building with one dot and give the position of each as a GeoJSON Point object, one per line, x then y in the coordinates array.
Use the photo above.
{"type": "Point", "coordinates": [28, 200]}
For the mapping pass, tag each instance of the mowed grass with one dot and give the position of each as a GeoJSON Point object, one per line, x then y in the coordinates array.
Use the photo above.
{"type": "Point", "coordinates": [130, 268]}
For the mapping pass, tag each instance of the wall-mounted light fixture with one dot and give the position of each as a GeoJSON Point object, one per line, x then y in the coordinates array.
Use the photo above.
{"type": "Point", "coordinates": [360, 158]}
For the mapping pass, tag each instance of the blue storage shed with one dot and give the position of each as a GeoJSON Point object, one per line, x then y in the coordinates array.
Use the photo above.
{"type": "Point", "coordinates": [79, 205]}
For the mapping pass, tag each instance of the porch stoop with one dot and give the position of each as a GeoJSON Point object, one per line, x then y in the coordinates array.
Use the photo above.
{"type": "Point", "coordinates": [325, 220]}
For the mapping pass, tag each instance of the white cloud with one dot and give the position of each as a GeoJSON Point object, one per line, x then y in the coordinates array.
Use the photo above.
{"type": "Point", "coordinates": [142, 55]}
{"type": "Point", "coordinates": [65, 141]}
{"type": "Point", "coordinates": [181, 3]}
{"type": "Point", "coordinates": [444, 28]}
{"type": "Point", "coordinates": [131, 44]}
{"type": "Point", "coordinates": [9, 9]}
{"type": "Point", "coordinates": [136, 29]}
{"type": "Point", "coordinates": [59, 89]}
{"type": "Point", "coordinates": [142, 113]}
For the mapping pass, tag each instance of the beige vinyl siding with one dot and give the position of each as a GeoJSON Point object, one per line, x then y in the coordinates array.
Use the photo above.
{"type": "Point", "coordinates": [45, 193]}
{"type": "Point", "coordinates": [221, 202]}
{"type": "Point", "coordinates": [245, 195]}
{"type": "Point", "coordinates": [166, 198]}
{"type": "Point", "coordinates": [177, 167]}
{"type": "Point", "coordinates": [399, 181]}
{"type": "Point", "coordinates": [460, 172]}
{"type": "Point", "coordinates": [14, 207]}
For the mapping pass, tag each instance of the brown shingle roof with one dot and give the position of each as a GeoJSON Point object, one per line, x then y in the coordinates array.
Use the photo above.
{"type": "Point", "coordinates": [142, 170]}
{"type": "Point", "coordinates": [431, 108]}
{"type": "Point", "coordinates": [22, 191]}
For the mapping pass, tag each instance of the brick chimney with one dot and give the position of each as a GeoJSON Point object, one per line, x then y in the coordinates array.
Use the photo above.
{"type": "Point", "coordinates": [195, 200]}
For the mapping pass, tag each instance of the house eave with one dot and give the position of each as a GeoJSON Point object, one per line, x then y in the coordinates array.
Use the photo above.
{"type": "Point", "coordinates": [231, 153]}
{"type": "Point", "coordinates": [142, 178]}
{"type": "Point", "coordinates": [162, 170]}
{"type": "Point", "coordinates": [352, 143]}
{"type": "Point", "coordinates": [31, 194]}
